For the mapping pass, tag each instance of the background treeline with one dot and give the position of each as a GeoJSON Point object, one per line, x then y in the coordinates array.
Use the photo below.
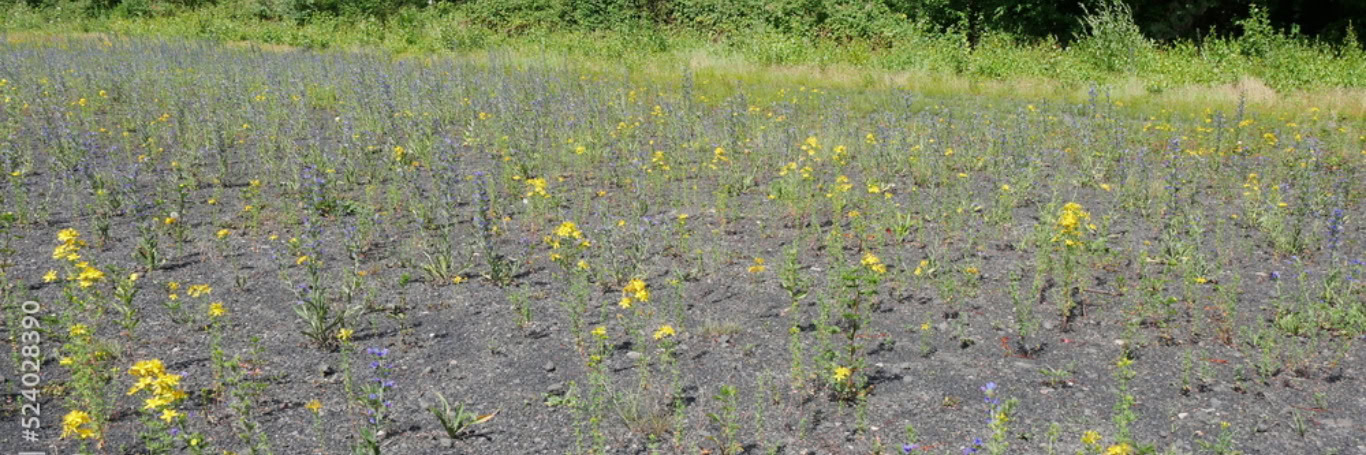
{"type": "Point", "coordinates": [1160, 20]}
{"type": "Point", "coordinates": [1285, 44]}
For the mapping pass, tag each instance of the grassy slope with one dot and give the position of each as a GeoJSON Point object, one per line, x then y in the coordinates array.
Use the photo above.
{"type": "Point", "coordinates": [1177, 78]}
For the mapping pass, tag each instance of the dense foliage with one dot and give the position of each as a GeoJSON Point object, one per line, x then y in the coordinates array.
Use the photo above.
{"type": "Point", "coordinates": [1160, 20]}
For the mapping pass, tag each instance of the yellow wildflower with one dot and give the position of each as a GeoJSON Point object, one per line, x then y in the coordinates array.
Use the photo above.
{"type": "Point", "coordinates": [314, 405]}
{"type": "Point", "coordinates": [199, 290]}
{"type": "Point", "coordinates": [1070, 222]}
{"type": "Point", "coordinates": [50, 276]}
{"type": "Point", "coordinates": [874, 263]}
{"type": "Point", "coordinates": [758, 266]}
{"type": "Point", "coordinates": [147, 368]}
{"type": "Point", "coordinates": [216, 310]}
{"type": "Point", "coordinates": [636, 288]}
{"type": "Point", "coordinates": [842, 373]}
{"type": "Point", "coordinates": [88, 275]}
{"type": "Point", "coordinates": [78, 330]}
{"type": "Point", "coordinates": [223, 233]}
{"type": "Point", "coordinates": [1120, 449]}
{"type": "Point", "coordinates": [567, 230]}
{"type": "Point", "coordinates": [68, 235]}
{"type": "Point", "coordinates": [168, 414]}
{"type": "Point", "coordinates": [1090, 438]}
{"type": "Point", "coordinates": [664, 331]}
{"type": "Point", "coordinates": [600, 332]}
{"type": "Point", "coordinates": [77, 423]}
{"type": "Point", "coordinates": [344, 334]}
{"type": "Point", "coordinates": [536, 187]}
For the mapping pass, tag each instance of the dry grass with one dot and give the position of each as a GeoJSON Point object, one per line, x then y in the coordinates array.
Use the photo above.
{"type": "Point", "coordinates": [723, 70]}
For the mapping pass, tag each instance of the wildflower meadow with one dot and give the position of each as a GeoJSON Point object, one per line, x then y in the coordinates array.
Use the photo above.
{"type": "Point", "coordinates": [223, 249]}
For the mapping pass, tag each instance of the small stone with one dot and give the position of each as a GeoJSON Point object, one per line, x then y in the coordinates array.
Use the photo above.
{"type": "Point", "coordinates": [1049, 324]}
{"type": "Point", "coordinates": [428, 370]}
{"type": "Point", "coordinates": [633, 355]}
{"type": "Point", "coordinates": [1183, 415]}
{"type": "Point", "coordinates": [555, 389]}
{"type": "Point", "coordinates": [1119, 342]}
{"type": "Point", "coordinates": [549, 366]}
{"type": "Point", "coordinates": [325, 370]}
{"type": "Point", "coordinates": [446, 443]}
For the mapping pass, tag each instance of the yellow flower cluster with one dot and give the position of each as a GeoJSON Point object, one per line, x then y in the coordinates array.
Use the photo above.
{"type": "Point", "coordinates": [165, 387]}
{"type": "Point", "coordinates": [70, 247]}
{"type": "Point", "coordinates": [872, 262]}
{"type": "Point", "coordinates": [536, 187]}
{"type": "Point", "coordinates": [87, 275]}
{"type": "Point", "coordinates": [69, 250]}
{"type": "Point", "coordinates": [634, 291]}
{"type": "Point", "coordinates": [664, 331]}
{"type": "Point", "coordinates": [79, 424]}
{"type": "Point", "coordinates": [198, 290]}
{"type": "Point", "coordinates": [922, 268]}
{"type": "Point", "coordinates": [567, 231]}
{"type": "Point", "coordinates": [1120, 449]}
{"type": "Point", "coordinates": [758, 266]}
{"type": "Point", "coordinates": [1070, 223]}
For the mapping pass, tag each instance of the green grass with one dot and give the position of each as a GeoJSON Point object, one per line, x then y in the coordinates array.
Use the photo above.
{"type": "Point", "coordinates": [1269, 70]}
